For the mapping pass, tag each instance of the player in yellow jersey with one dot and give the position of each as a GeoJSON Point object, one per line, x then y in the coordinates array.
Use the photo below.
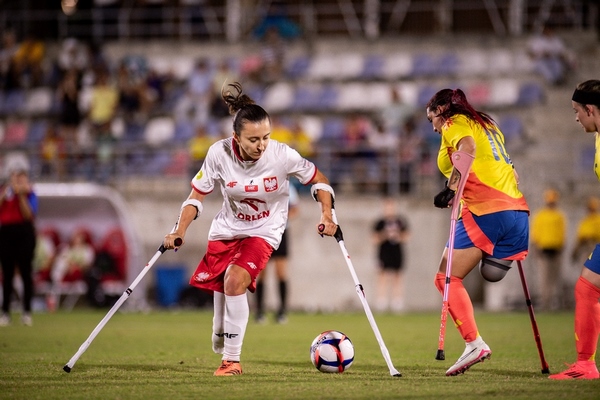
{"type": "Point", "coordinates": [493, 226]}
{"type": "Point", "coordinates": [586, 104]}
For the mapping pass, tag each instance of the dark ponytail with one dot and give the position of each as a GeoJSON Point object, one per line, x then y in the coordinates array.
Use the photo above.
{"type": "Point", "coordinates": [455, 102]}
{"type": "Point", "coordinates": [242, 107]}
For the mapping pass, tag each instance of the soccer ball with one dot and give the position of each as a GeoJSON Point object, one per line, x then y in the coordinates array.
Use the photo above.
{"type": "Point", "coordinates": [332, 351]}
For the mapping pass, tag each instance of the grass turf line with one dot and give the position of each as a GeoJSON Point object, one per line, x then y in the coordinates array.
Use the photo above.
{"type": "Point", "coordinates": [167, 355]}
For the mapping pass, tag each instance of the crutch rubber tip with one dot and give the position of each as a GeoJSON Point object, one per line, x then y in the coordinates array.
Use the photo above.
{"type": "Point", "coordinates": [67, 369]}
{"type": "Point", "coordinates": [440, 355]}
{"type": "Point", "coordinates": [398, 375]}
{"type": "Point", "coordinates": [545, 371]}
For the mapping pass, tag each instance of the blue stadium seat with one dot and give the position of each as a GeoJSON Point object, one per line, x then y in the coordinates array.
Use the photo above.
{"type": "Point", "coordinates": [304, 99]}
{"type": "Point", "coordinates": [423, 65]}
{"type": "Point", "coordinates": [297, 68]}
{"type": "Point", "coordinates": [14, 102]}
{"type": "Point", "coordinates": [448, 65]}
{"type": "Point", "coordinates": [184, 131]}
{"type": "Point", "coordinates": [333, 130]}
{"type": "Point", "coordinates": [372, 67]}
{"type": "Point", "coordinates": [326, 99]}
{"type": "Point", "coordinates": [511, 126]}
{"type": "Point", "coordinates": [530, 93]}
{"type": "Point", "coordinates": [425, 94]}
{"type": "Point", "coordinates": [37, 131]}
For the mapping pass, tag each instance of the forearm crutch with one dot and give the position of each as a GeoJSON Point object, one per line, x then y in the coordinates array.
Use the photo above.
{"type": "Point", "coordinates": [361, 294]}
{"type": "Point", "coordinates": [462, 163]}
{"type": "Point", "coordinates": [113, 310]}
{"type": "Point", "coordinates": [534, 326]}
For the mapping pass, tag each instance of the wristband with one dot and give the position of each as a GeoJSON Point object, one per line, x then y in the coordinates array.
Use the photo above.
{"type": "Point", "coordinates": [194, 203]}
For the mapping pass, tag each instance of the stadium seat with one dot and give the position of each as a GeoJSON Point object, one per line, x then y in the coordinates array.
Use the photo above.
{"type": "Point", "coordinates": [38, 101]}
{"type": "Point", "coordinates": [478, 94]}
{"type": "Point", "coordinates": [159, 130]}
{"type": "Point", "coordinates": [353, 96]}
{"type": "Point", "coordinates": [304, 98]}
{"type": "Point", "coordinates": [423, 65]}
{"type": "Point", "coordinates": [512, 127]}
{"type": "Point", "coordinates": [326, 98]}
{"type": "Point", "coordinates": [297, 67]}
{"type": "Point", "coordinates": [14, 102]}
{"type": "Point", "coordinates": [530, 93]}
{"type": "Point", "coordinates": [504, 93]}
{"type": "Point", "coordinates": [15, 132]}
{"type": "Point", "coordinates": [397, 66]}
{"type": "Point", "coordinates": [184, 131]}
{"type": "Point", "coordinates": [37, 131]}
{"type": "Point", "coordinates": [332, 131]}
{"type": "Point", "coordinates": [501, 62]}
{"type": "Point", "coordinates": [372, 67]}
{"type": "Point", "coordinates": [279, 97]}
{"type": "Point", "coordinates": [113, 242]}
{"type": "Point", "coordinates": [425, 94]}
{"type": "Point", "coordinates": [472, 63]}
{"type": "Point", "coordinates": [447, 65]}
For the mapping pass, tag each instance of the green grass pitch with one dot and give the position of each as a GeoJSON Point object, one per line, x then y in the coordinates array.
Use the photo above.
{"type": "Point", "coordinates": [167, 355]}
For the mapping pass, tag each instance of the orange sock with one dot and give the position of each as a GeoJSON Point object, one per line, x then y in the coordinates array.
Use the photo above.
{"type": "Point", "coordinates": [460, 306]}
{"type": "Point", "coordinates": [587, 319]}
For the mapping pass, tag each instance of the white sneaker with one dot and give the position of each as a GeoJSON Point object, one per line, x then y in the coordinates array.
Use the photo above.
{"type": "Point", "coordinates": [27, 320]}
{"type": "Point", "coordinates": [4, 320]}
{"type": "Point", "coordinates": [475, 352]}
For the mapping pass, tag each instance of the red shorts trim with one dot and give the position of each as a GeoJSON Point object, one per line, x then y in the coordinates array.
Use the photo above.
{"type": "Point", "coordinates": [251, 253]}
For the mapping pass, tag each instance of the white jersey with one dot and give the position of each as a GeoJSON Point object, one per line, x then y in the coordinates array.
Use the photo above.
{"type": "Point", "coordinates": [255, 193]}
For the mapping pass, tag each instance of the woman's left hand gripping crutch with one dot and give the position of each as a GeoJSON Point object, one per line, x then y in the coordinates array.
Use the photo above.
{"type": "Point", "coordinates": [462, 164]}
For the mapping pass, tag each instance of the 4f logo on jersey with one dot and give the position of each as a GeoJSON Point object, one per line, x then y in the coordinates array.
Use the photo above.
{"type": "Point", "coordinates": [231, 184]}
{"type": "Point", "coordinates": [251, 187]}
{"type": "Point", "coordinates": [270, 184]}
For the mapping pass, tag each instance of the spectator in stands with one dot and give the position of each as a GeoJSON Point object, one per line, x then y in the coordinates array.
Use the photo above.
{"type": "Point", "coordinates": [397, 112]}
{"type": "Point", "coordinates": [29, 60]}
{"type": "Point", "coordinates": [272, 56]}
{"type": "Point", "coordinates": [548, 236]}
{"type": "Point", "coordinates": [18, 208]}
{"type": "Point", "coordinates": [293, 135]}
{"type": "Point", "coordinates": [356, 154]}
{"type": "Point", "coordinates": [198, 147]}
{"type": "Point", "coordinates": [384, 142]}
{"type": "Point", "coordinates": [277, 18]}
{"type": "Point", "coordinates": [588, 231]}
{"type": "Point", "coordinates": [103, 110]}
{"type": "Point", "coordinates": [200, 91]}
{"type": "Point", "coordinates": [52, 154]}
{"type": "Point", "coordinates": [135, 98]}
{"type": "Point", "coordinates": [73, 55]}
{"type": "Point", "coordinates": [411, 147]}
{"type": "Point", "coordinates": [67, 95]}
{"type": "Point", "coordinates": [46, 249]}
{"type": "Point", "coordinates": [9, 77]}
{"type": "Point", "coordinates": [551, 57]}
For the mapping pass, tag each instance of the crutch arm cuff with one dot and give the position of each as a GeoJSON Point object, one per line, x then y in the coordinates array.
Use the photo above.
{"type": "Point", "coordinates": [321, 186]}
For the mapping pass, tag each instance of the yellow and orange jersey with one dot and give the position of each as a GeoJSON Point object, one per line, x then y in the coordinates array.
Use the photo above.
{"type": "Point", "coordinates": [492, 185]}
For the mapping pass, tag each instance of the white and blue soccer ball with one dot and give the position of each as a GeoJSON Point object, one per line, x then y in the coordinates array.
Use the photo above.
{"type": "Point", "coordinates": [332, 351]}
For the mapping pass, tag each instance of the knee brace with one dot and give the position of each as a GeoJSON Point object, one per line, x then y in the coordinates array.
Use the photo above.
{"type": "Point", "coordinates": [494, 269]}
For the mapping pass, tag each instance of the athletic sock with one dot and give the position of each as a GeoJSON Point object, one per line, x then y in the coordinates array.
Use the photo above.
{"type": "Point", "coordinates": [459, 306]}
{"type": "Point", "coordinates": [260, 294]}
{"type": "Point", "coordinates": [218, 321]}
{"type": "Point", "coordinates": [587, 319]}
{"type": "Point", "coordinates": [237, 313]}
{"type": "Point", "coordinates": [282, 296]}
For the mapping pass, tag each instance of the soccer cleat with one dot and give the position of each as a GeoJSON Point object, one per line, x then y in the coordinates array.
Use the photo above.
{"type": "Point", "coordinates": [4, 320]}
{"type": "Point", "coordinates": [229, 368]}
{"type": "Point", "coordinates": [579, 370]}
{"type": "Point", "coordinates": [476, 351]}
{"type": "Point", "coordinates": [27, 320]}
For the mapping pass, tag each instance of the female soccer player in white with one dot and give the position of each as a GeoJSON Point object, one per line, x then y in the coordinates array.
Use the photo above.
{"type": "Point", "coordinates": [586, 104]}
{"type": "Point", "coordinates": [253, 173]}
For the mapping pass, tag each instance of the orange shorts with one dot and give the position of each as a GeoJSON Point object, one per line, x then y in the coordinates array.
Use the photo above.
{"type": "Point", "coordinates": [251, 253]}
